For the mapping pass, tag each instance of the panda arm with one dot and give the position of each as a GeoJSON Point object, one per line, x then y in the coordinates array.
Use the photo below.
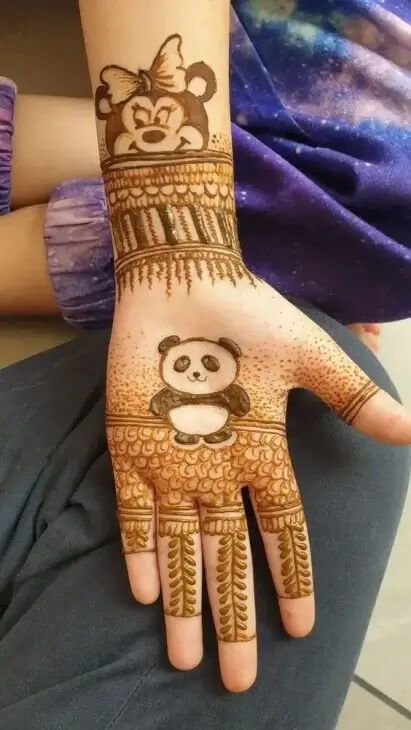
{"type": "Point", "coordinates": [161, 403]}
{"type": "Point", "coordinates": [237, 400]}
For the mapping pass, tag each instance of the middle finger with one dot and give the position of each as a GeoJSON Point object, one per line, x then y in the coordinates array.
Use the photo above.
{"type": "Point", "coordinates": [229, 574]}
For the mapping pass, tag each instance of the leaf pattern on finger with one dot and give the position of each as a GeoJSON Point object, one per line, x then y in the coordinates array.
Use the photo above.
{"type": "Point", "coordinates": [232, 587]}
{"type": "Point", "coordinates": [135, 527]}
{"type": "Point", "coordinates": [295, 566]}
{"type": "Point", "coordinates": [182, 575]}
{"type": "Point", "coordinates": [181, 523]}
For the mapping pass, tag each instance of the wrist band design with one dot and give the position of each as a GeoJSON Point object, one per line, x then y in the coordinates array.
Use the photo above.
{"type": "Point", "coordinates": [174, 220]}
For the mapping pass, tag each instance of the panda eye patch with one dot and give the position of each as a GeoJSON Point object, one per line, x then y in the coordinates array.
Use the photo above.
{"type": "Point", "coordinates": [182, 364]}
{"type": "Point", "coordinates": [210, 363]}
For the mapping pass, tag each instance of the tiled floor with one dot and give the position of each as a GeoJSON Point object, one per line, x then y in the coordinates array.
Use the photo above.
{"type": "Point", "coordinates": [362, 711]}
{"type": "Point", "coordinates": [47, 34]}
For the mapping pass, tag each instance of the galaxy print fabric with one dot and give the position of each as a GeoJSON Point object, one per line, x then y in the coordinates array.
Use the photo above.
{"type": "Point", "coordinates": [321, 110]}
{"type": "Point", "coordinates": [7, 101]}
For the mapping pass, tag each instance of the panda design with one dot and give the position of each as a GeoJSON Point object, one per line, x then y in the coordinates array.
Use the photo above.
{"type": "Point", "coordinates": [156, 110]}
{"type": "Point", "coordinates": [200, 393]}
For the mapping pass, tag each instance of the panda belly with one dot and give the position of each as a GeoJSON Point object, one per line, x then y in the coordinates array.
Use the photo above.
{"type": "Point", "coordinates": [200, 420]}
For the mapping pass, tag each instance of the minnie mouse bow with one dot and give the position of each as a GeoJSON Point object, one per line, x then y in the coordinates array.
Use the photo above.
{"type": "Point", "coordinates": [167, 74]}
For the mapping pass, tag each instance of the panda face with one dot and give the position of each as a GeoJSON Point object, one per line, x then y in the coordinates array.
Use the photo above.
{"type": "Point", "coordinates": [198, 367]}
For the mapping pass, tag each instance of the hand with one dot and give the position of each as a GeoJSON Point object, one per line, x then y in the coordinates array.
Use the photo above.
{"type": "Point", "coordinates": [197, 395]}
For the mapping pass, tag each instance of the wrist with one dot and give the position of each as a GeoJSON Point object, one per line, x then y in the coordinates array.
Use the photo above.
{"type": "Point", "coordinates": [173, 219]}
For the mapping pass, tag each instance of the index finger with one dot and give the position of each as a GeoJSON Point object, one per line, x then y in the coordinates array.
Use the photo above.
{"type": "Point", "coordinates": [135, 511]}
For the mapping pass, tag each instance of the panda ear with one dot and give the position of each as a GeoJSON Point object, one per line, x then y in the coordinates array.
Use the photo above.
{"type": "Point", "coordinates": [167, 343]}
{"type": "Point", "coordinates": [231, 346]}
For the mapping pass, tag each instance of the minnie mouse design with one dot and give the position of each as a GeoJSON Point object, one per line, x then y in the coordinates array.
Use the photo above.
{"type": "Point", "coordinates": [155, 111]}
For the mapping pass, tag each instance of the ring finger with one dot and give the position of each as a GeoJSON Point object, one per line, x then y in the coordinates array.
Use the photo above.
{"type": "Point", "coordinates": [283, 528]}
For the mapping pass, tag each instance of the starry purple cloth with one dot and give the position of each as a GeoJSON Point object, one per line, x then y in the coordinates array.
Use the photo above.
{"type": "Point", "coordinates": [321, 101]}
{"type": "Point", "coordinates": [304, 241]}
{"type": "Point", "coordinates": [7, 99]}
{"type": "Point", "coordinates": [79, 253]}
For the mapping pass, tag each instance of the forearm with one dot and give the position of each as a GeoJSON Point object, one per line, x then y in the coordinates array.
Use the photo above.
{"type": "Point", "coordinates": [54, 140]}
{"type": "Point", "coordinates": [160, 75]}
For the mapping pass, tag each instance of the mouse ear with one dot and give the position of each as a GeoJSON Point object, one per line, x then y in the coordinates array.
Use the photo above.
{"type": "Point", "coordinates": [167, 343]}
{"type": "Point", "coordinates": [231, 346]}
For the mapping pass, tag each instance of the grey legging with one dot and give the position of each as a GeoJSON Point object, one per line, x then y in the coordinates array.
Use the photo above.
{"type": "Point", "coordinates": [77, 653]}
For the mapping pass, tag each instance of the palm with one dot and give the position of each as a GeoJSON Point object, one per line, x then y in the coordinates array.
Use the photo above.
{"type": "Point", "coordinates": [197, 399]}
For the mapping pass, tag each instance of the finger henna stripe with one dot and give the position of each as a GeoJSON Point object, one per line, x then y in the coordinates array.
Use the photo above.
{"type": "Point", "coordinates": [232, 587]}
{"type": "Point", "coordinates": [352, 409]}
{"type": "Point", "coordinates": [135, 528]}
{"type": "Point", "coordinates": [233, 565]}
{"type": "Point", "coordinates": [293, 550]}
{"type": "Point", "coordinates": [178, 520]}
{"type": "Point", "coordinates": [276, 518]}
{"type": "Point", "coordinates": [222, 521]}
{"type": "Point", "coordinates": [181, 524]}
{"type": "Point", "coordinates": [295, 569]}
{"type": "Point", "coordinates": [282, 522]}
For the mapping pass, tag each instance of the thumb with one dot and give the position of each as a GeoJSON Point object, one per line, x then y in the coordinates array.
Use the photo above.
{"type": "Point", "coordinates": [329, 372]}
{"type": "Point", "coordinates": [384, 419]}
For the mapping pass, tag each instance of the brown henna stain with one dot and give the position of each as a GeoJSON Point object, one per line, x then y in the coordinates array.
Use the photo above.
{"type": "Point", "coordinates": [214, 479]}
{"type": "Point", "coordinates": [170, 193]}
{"type": "Point", "coordinates": [135, 508]}
{"type": "Point", "coordinates": [337, 380]}
{"type": "Point", "coordinates": [186, 224]}
{"type": "Point", "coordinates": [180, 523]}
{"type": "Point", "coordinates": [232, 566]}
{"type": "Point", "coordinates": [154, 110]}
{"type": "Point", "coordinates": [199, 376]}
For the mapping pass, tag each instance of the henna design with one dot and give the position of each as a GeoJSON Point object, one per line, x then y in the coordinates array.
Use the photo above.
{"type": "Point", "coordinates": [180, 523]}
{"type": "Point", "coordinates": [174, 220]}
{"type": "Point", "coordinates": [135, 527]}
{"type": "Point", "coordinates": [281, 514]}
{"type": "Point", "coordinates": [230, 525]}
{"type": "Point", "coordinates": [180, 474]}
{"type": "Point", "coordinates": [295, 570]}
{"type": "Point", "coordinates": [182, 575]}
{"type": "Point", "coordinates": [135, 510]}
{"type": "Point", "coordinates": [222, 521]}
{"type": "Point", "coordinates": [353, 407]}
{"type": "Point", "coordinates": [232, 587]}
{"type": "Point", "coordinates": [171, 196]}
{"type": "Point", "coordinates": [334, 378]}
{"type": "Point", "coordinates": [178, 520]}
{"type": "Point", "coordinates": [200, 395]}
{"type": "Point", "coordinates": [259, 456]}
{"type": "Point", "coordinates": [289, 526]}
{"type": "Point", "coordinates": [155, 111]}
